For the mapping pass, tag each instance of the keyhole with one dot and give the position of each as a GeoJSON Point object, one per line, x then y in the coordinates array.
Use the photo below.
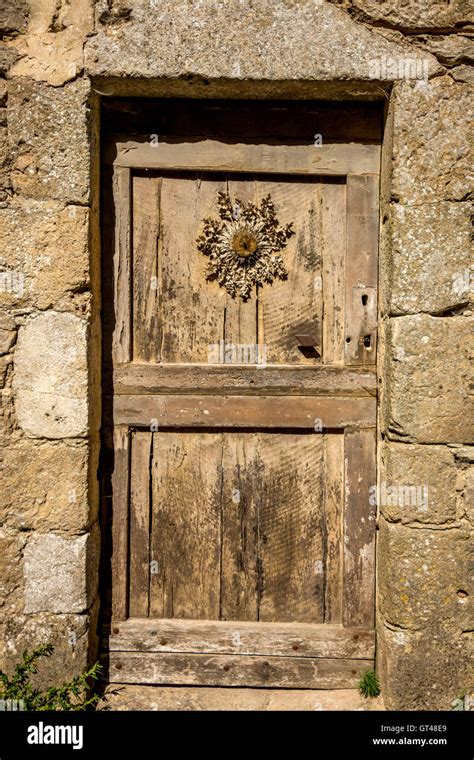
{"type": "Point", "coordinates": [364, 299]}
{"type": "Point", "coordinates": [367, 341]}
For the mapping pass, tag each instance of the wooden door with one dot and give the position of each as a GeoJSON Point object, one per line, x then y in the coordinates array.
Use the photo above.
{"type": "Point", "coordinates": [240, 433]}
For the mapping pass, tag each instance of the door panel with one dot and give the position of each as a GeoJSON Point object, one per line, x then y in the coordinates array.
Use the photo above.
{"type": "Point", "coordinates": [239, 436]}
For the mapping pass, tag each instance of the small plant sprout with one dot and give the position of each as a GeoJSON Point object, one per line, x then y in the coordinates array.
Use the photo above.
{"type": "Point", "coordinates": [369, 684]}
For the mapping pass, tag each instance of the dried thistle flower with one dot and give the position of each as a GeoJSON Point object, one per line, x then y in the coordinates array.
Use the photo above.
{"type": "Point", "coordinates": [242, 245]}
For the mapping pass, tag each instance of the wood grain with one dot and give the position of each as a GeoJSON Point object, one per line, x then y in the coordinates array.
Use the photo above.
{"type": "Point", "coordinates": [204, 154]}
{"type": "Point", "coordinates": [244, 411]}
{"type": "Point", "coordinates": [141, 452]}
{"type": "Point", "coordinates": [245, 638]}
{"type": "Point", "coordinates": [120, 520]}
{"type": "Point", "coordinates": [228, 670]}
{"type": "Point", "coordinates": [145, 379]}
{"type": "Point", "coordinates": [359, 529]}
{"type": "Point", "coordinates": [361, 269]}
{"type": "Point", "coordinates": [185, 529]}
{"type": "Point", "coordinates": [300, 294]}
{"type": "Point", "coordinates": [146, 192]}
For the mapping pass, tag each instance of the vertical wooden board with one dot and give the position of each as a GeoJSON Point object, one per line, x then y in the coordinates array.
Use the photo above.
{"type": "Point", "coordinates": [333, 243]}
{"type": "Point", "coordinates": [121, 191]}
{"type": "Point", "coordinates": [359, 528]}
{"type": "Point", "coordinates": [146, 332]}
{"type": "Point", "coordinates": [186, 525]}
{"type": "Point", "coordinates": [242, 485]}
{"type": "Point", "coordinates": [334, 509]}
{"type": "Point", "coordinates": [293, 306]}
{"type": "Point", "coordinates": [120, 533]}
{"type": "Point", "coordinates": [291, 528]}
{"type": "Point", "coordinates": [240, 325]}
{"type": "Point", "coordinates": [141, 451]}
{"type": "Point", "coordinates": [361, 269]}
{"type": "Point", "coordinates": [192, 308]}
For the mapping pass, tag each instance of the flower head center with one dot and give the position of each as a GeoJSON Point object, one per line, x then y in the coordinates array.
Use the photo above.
{"type": "Point", "coordinates": [244, 243]}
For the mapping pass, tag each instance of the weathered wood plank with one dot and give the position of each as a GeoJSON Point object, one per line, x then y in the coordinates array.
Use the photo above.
{"type": "Point", "coordinates": [333, 245]}
{"type": "Point", "coordinates": [359, 528]}
{"type": "Point", "coordinates": [239, 637]}
{"type": "Point", "coordinates": [294, 306]}
{"type": "Point", "coordinates": [211, 698]}
{"type": "Point", "coordinates": [291, 540]}
{"type": "Point", "coordinates": [229, 670]}
{"type": "Point", "coordinates": [239, 590]}
{"type": "Point", "coordinates": [141, 452]}
{"type": "Point", "coordinates": [361, 269]}
{"type": "Point", "coordinates": [244, 411]}
{"type": "Point", "coordinates": [191, 307]}
{"type": "Point", "coordinates": [240, 317]}
{"type": "Point", "coordinates": [134, 379]}
{"type": "Point", "coordinates": [333, 505]}
{"type": "Point", "coordinates": [121, 193]}
{"type": "Point", "coordinates": [146, 192]}
{"type": "Point", "coordinates": [185, 532]}
{"type": "Point", "coordinates": [120, 519]}
{"type": "Point", "coordinates": [204, 154]}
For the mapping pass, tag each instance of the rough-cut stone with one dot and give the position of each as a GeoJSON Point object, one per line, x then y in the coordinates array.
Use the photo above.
{"type": "Point", "coordinates": [463, 74]}
{"type": "Point", "coordinates": [49, 133]}
{"type": "Point", "coordinates": [50, 380]}
{"type": "Point", "coordinates": [44, 486]}
{"type": "Point", "coordinates": [46, 245]}
{"type": "Point", "coordinates": [70, 636]}
{"type": "Point", "coordinates": [11, 572]}
{"type": "Point", "coordinates": [276, 40]}
{"type": "Point", "coordinates": [424, 576]}
{"type": "Point", "coordinates": [417, 483]}
{"type": "Point", "coordinates": [52, 48]}
{"type": "Point", "coordinates": [7, 332]}
{"type": "Point", "coordinates": [431, 252]}
{"type": "Point", "coordinates": [432, 146]}
{"type": "Point", "coordinates": [413, 15]}
{"type": "Point", "coordinates": [425, 670]}
{"type": "Point", "coordinates": [450, 51]}
{"type": "Point", "coordinates": [428, 394]}
{"type": "Point", "coordinates": [58, 571]}
{"type": "Point", "coordinates": [157, 698]}
{"type": "Point", "coordinates": [13, 16]}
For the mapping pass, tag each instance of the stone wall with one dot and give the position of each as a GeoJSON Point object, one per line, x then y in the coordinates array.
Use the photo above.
{"type": "Point", "coordinates": [57, 59]}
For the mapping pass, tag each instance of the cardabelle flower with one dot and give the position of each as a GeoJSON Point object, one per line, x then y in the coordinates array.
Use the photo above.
{"type": "Point", "coordinates": [243, 244]}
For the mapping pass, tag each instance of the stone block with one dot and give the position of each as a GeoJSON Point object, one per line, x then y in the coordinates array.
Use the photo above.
{"type": "Point", "coordinates": [311, 41]}
{"type": "Point", "coordinates": [51, 50]}
{"type": "Point", "coordinates": [432, 160]}
{"type": "Point", "coordinates": [424, 576]}
{"type": "Point", "coordinates": [418, 483]}
{"type": "Point", "coordinates": [44, 252]}
{"type": "Point", "coordinates": [59, 572]}
{"type": "Point", "coordinates": [425, 670]}
{"type": "Point", "coordinates": [49, 133]}
{"type": "Point", "coordinates": [50, 381]}
{"type": "Point", "coordinates": [70, 635]}
{"type": "Point", "coordinates": [431, 252]}
{"type": "Point", "coordinates": [429, 380]}
{"type": "Point", "coordinates": [413, 15]}
{"type": "Point", "coordinates": [45, 486]}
